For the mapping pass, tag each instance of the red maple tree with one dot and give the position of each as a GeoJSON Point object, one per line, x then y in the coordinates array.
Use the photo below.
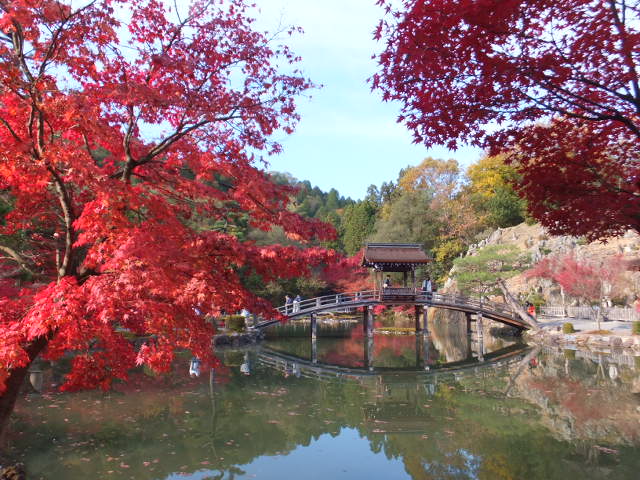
{"type": "Point", "coordinates": [586, 280]}
{"type": "Point", "coordinates": [129, 142]}
{"type": "Point", "coordinates": [552, 84]}
{"type": "Point", "coordinates": [348, 275]}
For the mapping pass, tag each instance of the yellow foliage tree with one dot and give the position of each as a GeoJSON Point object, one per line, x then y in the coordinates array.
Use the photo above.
{"type": "Point", "coordinates": [490, 174]}
{"type": "Point", "coordinates": [439, 177]}
{"type": "Point", "coordinates": [491, 188]}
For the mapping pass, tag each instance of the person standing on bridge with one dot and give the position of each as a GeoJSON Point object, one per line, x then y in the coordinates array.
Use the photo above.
{"type": "Point", "coordinates": [387, 282]}
{"type": "Point", "coordinates": [296, 304]}
{"type": "Point", "coordinates": [427, 287]}
{"type": "Point", "coordinates": [287, 305]}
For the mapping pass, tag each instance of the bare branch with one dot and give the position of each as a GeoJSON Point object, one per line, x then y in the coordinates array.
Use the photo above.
{"type": "Point", "coordinates": [88, 148]}
{"type": "Point", "coordinates": [19, 259]}
{"type": "Point", "coordinates": [11, 131]}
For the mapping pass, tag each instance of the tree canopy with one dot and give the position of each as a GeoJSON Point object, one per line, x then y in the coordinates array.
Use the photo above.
{"type": "Point", "coordinates": [553, 85]}
{"type": "Point", "coordinates": [481, 272]}
{"type": "Point", "coordinates": [114, 135]}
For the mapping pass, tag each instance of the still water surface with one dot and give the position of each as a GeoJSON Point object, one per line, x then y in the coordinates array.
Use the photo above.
{"type": "Point", "coordinates": [360, 412]}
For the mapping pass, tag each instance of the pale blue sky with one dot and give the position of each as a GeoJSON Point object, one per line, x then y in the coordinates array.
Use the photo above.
{"type": "Point", "coordinates": [347, 138]}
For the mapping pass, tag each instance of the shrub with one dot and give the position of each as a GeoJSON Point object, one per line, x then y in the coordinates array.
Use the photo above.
{"type": "Point", "coordinates": [568, 328]}
{"type": "Point", "coordinates": [569, 354]}
{"type": "Point", "coordinates": [635, 328]}
{"type": "Point", "coordinates": [234, 322]}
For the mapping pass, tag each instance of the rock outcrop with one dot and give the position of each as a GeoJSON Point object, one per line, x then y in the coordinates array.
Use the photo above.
{"type": "Point", "coordinates": [536, 241]}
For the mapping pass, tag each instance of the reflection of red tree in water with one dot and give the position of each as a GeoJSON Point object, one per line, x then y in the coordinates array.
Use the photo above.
{"type": "Point", "coordinates": [178, 378]}
{"type": "Point", "coordinates": [145, 381]}
{"type": "Point", "coordinates": [351, 351]}
{"type": "Point", "coordinates": [583, 403]}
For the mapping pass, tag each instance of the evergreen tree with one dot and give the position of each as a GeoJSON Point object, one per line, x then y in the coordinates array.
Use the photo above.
{"type": "Point", "coordinates": [358, 224]}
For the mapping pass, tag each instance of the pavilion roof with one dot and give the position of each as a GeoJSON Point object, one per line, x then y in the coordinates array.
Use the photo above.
{"type": "Point", "coordinates": [387, 256]}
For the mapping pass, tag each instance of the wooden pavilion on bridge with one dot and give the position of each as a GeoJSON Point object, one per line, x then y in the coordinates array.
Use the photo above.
{"type": "Point", "coordinates": [395, 257]}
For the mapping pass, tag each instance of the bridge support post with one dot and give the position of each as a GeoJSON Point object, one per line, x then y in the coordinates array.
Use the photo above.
{"type": "Point", "coordinates": [469, 320]}
{"type": "Point", "coordinates": [425, 350]}
{"type": "Point", "coordinates": [367, 323]}
{"type": "Point", "coordinates": [425, 322]}
{"type": "Point", "coordinates": [479, 325]}
{"type": "Point", "coordinates": [469, 347]}
{"type": "Point", "coordinates": [368, 353]}
{"type": "Point", "coordinates": [418, 312]}
{"type": "Point", "coordinates": [365, 319]}
{"type": "Point", "coordinates": [480, 336]}
{"type": "Point", "coordinates": [314, 351]}
{"type": "Point", "coordinates": [314, 326]}
{"type": "Point", "coordinates": [314, 338]}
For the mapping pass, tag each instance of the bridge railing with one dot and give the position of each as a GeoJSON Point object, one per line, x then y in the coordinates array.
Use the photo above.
{"type": "Point", "coordinates": [344, 299]}
{"type": "Point", "coordinates": [418, 296]}
{"type": "Point", "coordinates": [455, 299]}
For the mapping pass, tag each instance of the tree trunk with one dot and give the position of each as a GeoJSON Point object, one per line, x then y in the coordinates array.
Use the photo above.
{"type": "Point", "coordinates": [14, 384]}
{"type": "Point", "coordinates": [513, 303]}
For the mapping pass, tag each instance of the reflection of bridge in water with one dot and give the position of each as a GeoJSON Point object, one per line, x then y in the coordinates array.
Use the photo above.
{"type": "Point", "coordinates": [393, 400]}
{"type": "Point", "coordinates": [297, 366]}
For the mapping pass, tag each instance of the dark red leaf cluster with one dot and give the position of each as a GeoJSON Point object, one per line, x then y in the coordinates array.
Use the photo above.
{"type": "Point", "coordinates": [552, 83]}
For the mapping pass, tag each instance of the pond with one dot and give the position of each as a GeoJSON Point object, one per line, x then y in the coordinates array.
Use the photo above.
{"type": "Point", "coordinates": [353, 410]}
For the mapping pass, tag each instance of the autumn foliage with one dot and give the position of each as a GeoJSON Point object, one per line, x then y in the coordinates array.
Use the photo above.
{"type": "Point", "coordinates": [553, 85]}
{"type": "Point", "coordinates": [347, 274]}
{"type": "Point", "coordinates": [586, 280]}
{"type": "Point", "coordinates": [119, 133]}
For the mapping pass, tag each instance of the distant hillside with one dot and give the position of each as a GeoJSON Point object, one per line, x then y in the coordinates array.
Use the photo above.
{"type": "Point", "coordinates": [310, 202]}
{"type": "Point", "coordinates": [538, 243]}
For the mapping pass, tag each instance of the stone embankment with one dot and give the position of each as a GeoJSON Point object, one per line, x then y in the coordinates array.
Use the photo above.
{"type": "Point", "coordinates": [589, 341]}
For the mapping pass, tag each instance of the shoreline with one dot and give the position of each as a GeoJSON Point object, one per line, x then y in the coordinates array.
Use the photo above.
{"type": "Point", "coordinates": [619, 334]}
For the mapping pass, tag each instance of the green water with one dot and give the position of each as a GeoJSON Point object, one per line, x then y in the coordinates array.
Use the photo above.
{"type": "Point", "coordinates": [400, 412]}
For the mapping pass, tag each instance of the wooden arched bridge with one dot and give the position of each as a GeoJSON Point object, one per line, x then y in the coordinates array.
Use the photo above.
{"type": "Point", "coordinates": [404, 258]}
{"type": "Point", "coordinates": [474, 308]}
